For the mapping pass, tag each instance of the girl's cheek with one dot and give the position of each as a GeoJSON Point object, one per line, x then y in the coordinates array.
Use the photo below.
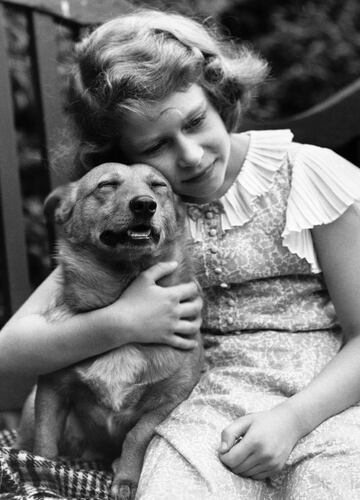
{"type": "Point", "coordinates": [165, 164]}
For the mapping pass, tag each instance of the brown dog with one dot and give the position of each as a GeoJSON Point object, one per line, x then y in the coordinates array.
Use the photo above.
{"type": "Point", "coordinates": [117, 221]}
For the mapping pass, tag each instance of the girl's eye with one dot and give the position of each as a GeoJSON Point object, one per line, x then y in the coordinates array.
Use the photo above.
{"type": "Point", "coordinates": [195, 122]}
{"type": "Point", "coordinates": [155, 148]}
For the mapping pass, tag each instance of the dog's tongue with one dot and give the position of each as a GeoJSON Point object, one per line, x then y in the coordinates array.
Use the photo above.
{"type": "Point", "coordinates": [138, 234]}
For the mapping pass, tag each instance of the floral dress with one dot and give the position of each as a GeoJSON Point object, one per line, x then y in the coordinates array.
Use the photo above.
{"type": "Point", "coordinates": [269, 325]}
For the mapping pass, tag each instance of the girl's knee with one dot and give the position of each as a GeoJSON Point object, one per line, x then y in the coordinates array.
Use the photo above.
{"type": "Point", "coordinates": [166, 474]}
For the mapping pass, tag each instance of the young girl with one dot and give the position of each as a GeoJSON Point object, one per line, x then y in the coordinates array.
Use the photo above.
{"type": "Point", "coordinates": [274, 227]}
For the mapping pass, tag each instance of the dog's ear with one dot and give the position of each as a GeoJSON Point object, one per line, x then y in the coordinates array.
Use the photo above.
{"type": "Point", "coordinates": [59, 205]}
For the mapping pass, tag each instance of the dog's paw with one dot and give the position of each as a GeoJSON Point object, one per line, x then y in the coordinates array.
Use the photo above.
{"type": "Point", "coordinates": [123, 490]}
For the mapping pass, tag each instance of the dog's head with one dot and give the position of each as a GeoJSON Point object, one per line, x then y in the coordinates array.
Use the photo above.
{"type": "Point", "coordinates": [123, 211]}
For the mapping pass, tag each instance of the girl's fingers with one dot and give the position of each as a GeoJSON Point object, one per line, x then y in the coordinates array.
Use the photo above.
{"type": "Point", "coordinates": [234, 450]}
{"type": "Point", "coordinates": [257, 468]}
{"type": "Point", "coordinates": [190, 309]}
{"type": "Point", "coordinates": [233, 433]}
{"type": "Point", "coordinates": [159, 270]}
{"type": "Point", "coordinates": [264, 474]}
{"type": "Point", "coordinates": [186, 291]}
{"type": "Point", "coordinates": [188, 328]}
{"type": "Point", "coordinates": [184, 343]}
{"type": "Point", "coordinates": [182, 292]}
{"type": "Point", "coordinates": [248, 464]}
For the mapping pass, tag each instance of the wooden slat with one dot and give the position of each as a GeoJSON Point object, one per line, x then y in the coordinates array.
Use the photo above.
{"type": "Point", "coordinates": [14, 265]}
{"type": "Point", "coordinates": [83, 12]}
{"type": "Point", "coordinates": [333, 123]}
{"type": "Point", "coordinates": [43, 31]}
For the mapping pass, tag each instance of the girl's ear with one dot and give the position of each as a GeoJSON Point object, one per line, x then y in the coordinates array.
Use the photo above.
{"type": "Point", "coordinates": [59, 205]}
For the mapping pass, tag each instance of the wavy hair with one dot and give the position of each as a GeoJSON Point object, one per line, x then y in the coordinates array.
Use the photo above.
{"type": "Point", "coordinates": [143, 57]}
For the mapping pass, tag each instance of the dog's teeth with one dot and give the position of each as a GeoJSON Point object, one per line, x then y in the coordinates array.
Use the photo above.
{"type": "Point", "coordinates": [140, 235]}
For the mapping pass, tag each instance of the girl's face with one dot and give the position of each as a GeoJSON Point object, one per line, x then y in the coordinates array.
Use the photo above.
{"type": "Point", "coordinates": [183, 137]}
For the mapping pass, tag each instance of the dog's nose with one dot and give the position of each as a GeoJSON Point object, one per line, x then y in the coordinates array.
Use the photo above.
{"type": "Point", "coordinates": [143, 205]}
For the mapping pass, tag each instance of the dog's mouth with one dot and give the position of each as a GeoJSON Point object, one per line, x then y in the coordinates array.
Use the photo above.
{"type": "Point", "coordinates": [140, 234]}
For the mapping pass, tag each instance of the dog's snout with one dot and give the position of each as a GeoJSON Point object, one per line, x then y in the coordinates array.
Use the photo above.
{"type": "Point", "coordinates": [143, 205]}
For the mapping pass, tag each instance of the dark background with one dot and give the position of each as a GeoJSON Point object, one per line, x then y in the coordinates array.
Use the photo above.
{"type": "Point", "coordinates": [313, 47]}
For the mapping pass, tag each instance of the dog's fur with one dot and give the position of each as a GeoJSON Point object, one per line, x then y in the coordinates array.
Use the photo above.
{"type": "Point", "coordinates": [117, 221]}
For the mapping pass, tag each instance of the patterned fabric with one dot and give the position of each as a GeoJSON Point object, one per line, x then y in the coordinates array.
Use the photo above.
{"type": "Point", "coordinates": [24, 476]}
{"type": "Point", "coordinates": [272, 328]}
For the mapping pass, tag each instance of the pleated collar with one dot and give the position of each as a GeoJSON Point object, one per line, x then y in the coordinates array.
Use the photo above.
{"type": "Point", "coordinates": [266, 154]}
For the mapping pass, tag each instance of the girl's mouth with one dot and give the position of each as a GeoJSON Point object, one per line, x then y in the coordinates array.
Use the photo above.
{"type": "Point", "coordinates": [198, 178]}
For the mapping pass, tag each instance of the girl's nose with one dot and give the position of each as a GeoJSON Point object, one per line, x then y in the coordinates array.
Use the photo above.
{"type": "Point", "coordinates": [190, 153]}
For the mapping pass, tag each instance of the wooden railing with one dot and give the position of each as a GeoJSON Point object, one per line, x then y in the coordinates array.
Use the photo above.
{"type": "Point", "coordinates": [43, 20]}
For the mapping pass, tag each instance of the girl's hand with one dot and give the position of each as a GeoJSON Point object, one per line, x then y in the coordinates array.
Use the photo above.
{"type": "Point", "coordinates": [155, 314]}
{"type": "Point", "coordinates": [267, 440]}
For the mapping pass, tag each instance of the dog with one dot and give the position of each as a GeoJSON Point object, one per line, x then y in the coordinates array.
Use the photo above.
{"type": "Point", "coordinates": [116, 221]}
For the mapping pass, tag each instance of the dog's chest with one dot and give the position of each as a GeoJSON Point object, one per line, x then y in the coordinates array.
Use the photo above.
{"type": "Point", "coordinates": [119, 378]}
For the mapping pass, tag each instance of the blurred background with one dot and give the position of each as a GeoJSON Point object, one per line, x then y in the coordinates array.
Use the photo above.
{"type": "Point", "coordinates": [313, 47]}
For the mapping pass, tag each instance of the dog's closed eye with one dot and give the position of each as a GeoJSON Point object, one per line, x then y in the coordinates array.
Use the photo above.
{"type": "Point", "coordinates": [156, 184]}
{"type": "Point", "coordinates": [108, 185]}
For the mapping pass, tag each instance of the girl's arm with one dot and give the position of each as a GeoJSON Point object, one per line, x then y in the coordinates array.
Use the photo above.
{"type": "Point", "coordinates": [338, 385]}
{"type": "Point", "coordinates": [268, 437]}
{"type": "Point", "coordinates": [30, 344]}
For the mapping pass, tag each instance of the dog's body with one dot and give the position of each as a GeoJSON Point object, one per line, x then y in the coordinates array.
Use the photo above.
{"type": "Point", "coordinates": [117, 221]}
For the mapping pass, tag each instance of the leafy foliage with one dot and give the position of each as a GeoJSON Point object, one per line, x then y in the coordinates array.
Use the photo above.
{"type": "Point", "coordinates": [313, 48]}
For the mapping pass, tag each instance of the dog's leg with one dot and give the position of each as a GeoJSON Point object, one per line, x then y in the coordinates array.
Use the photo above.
{"type": "Point", "coordinates": [50, 417]}
{"type": "Point", "coordinates": [127, 468]}
{"type": "Point", "coordinates": [25, 432]}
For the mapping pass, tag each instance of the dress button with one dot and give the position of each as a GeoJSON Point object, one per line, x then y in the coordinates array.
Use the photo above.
{"type": "Point", "coordinates": [213, 250]}
{"type": "Point", "coordinates": [212, 232]}
{"type": "Point", "coordinates": [217, 270]}
{"type": "Point", "coordinates": [229, 321]}
{"type": "Point", "coordinates": [224, 285]}
{"type": "Point", "coordinates": [209, 215]}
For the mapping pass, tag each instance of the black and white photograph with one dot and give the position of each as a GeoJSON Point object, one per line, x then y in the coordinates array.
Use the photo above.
{"type": "Point", "coordinates": [179, 250]}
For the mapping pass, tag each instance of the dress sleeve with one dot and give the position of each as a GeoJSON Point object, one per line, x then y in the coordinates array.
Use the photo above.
{"type": "Point", "coordinates": [323, 186]}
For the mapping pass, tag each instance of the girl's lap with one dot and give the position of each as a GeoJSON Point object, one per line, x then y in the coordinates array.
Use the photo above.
{"type": "Point", "coordinates": [182, 460]}
{"type": "Point", "coordinates": [169, 474]}
{"type": "Point", "coordinates": [325, 464]}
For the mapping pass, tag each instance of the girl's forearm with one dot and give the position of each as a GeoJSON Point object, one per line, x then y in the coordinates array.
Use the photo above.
{"type": "Point", "coordinates": [32, 345]}
{"type": "Point", "coordinates": [336, 388]}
